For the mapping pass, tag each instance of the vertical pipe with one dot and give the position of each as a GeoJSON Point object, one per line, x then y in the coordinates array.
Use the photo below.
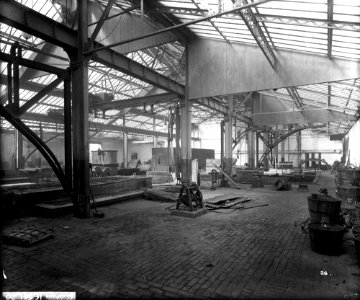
{"type": "Point", "coordinates": [67, 131]}
{"type": "Point", "coordinates": [81, 176]}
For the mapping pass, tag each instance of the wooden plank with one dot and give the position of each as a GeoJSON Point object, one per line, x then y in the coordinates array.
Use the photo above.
{"type": "Point", "coordinates": [227, 176]}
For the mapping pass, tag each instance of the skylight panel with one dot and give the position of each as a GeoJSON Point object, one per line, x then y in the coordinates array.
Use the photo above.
{"type": "Point", "coordinates": [298, 34]}
{"type": "Point", "coordinates": [183, 4]}
{"type": "Point", "coordinates": [303, 13]}
{"type": "Point", "coordinates": [347, 18]}
{"type": "Point", "coordinates": [347, 55]}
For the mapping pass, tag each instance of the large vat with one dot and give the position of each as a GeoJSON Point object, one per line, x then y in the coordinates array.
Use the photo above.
{"type": "Point", "coordinates": [349, 193]}
{"type": "Point", "coordinates": [347, 176]}
{"type": "Point", "coordinates": [357, 246]}
{"type": "Point", "coordinates": [326, 239]}
{"type": "Point", "coordinates": [324, 207]}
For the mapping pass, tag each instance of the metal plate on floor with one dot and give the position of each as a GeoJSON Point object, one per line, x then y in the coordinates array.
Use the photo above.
{"type": "Point", "coordinates": [28, 235]}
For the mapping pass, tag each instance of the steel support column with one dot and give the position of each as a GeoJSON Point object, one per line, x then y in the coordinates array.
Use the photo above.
{"type": "Point", "coordinates": [298, 141]}
{"type": "Point", "coordinates": [81, 183]}
{"type": "Point", "coordinates": [154, 137]}
{"type": "Point", "coordinates": [67, 131]}
{"type": "Point", "coordinates": [257, 149]}
{"type": "Point", "coordinates": [177, 142]}
{"type": "Point", "coordinates": [265, 148]}
{"type": "Point", "coordinates": [228, 136]}
{"type": "Point", "coordinates": [222, 142]}
{"type": "Point", "coordinates": [125, 145]}
{"type": "Point", "coordinates": [282, 151]}
{"type": "Point", "coordinates": [251, 149]}
{"type": "Point", "coordinates": [186, 128]}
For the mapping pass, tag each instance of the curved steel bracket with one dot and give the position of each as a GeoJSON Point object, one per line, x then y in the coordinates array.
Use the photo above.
{"type": "Point", "coordinates": [280, 139]}
{"type": "Point", "coordinates": [238, 139]}
{"type": "Point", "coordinates": [38, 143]}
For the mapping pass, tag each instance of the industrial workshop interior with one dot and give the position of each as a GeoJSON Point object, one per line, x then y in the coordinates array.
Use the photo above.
{"type": "Point", "coordinates": [180, 149]}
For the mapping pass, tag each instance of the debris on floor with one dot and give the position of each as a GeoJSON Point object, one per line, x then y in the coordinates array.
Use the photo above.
{"type": "Point", "coordinates": [28, 235]}
{"type": "Point", "coordinates": [227, 203]}
{"type": "Point", "coordinates": [161, 195]}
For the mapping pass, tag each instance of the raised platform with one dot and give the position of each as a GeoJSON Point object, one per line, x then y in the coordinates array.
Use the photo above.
{"type": "Point", "coordinates": [48, 198]}
{"type": "Point", "coordinates": [65, 207]}
{"type": "Point", "coordinates": [189, 214]}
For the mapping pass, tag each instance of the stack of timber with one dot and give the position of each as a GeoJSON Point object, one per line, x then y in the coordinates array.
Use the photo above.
{"type": "Point", "coordinates": [348, 190]}
{"type": "Point", "coordinates": [249, 176]}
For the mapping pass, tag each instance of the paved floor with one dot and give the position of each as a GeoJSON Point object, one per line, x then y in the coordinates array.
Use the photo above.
{"type": "Point", "coordinates": [140, 250]}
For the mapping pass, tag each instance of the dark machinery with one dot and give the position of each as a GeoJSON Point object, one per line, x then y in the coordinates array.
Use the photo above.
{"type": "Point", "coordinates": [190, 196]}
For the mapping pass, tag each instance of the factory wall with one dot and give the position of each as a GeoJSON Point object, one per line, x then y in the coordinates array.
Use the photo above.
{"type": "Point", "coordinates": [330, 150]}
{"type": "Point", "coordinates": [57, 147]}
{"type": "Point", "coordinates": [352, 155]}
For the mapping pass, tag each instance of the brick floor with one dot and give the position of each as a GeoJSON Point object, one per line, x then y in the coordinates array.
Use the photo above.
{"type": "Point", "coordinates": [140, 250]}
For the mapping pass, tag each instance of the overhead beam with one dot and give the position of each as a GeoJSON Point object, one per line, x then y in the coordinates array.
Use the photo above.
{"type": "Point", "coordinates": [222, 69]}
{"type": "Point", "coordinates": [313, 105]}
{"type": "Point", "coordinates": [151, 7]}
{"type": "Point", "coordinates": [219, 107]}
{"type": "Point", "coordinates": [34, 23]}
{"type": "Point", "coordinates": [31, 64]}
{"type": "Point", "coordinates": [118, 14]}
{"type": "Point", "coordinates": [309, 22]}
{"type": "Point", "coordinates": [177, 26]}
{"type": "Point", "coordinates": [95, 126]}
{"type": "Point", "coordinates": [296, 98]}
{"type": "Point", "coordinates": [255, 29]}
{"type": "Point", "coordinates": [300, 117]}
{"type": "Point", "coordinates": [92, 125]}
{"type": "Point", "coordinates": [138, 101]}
{"type": "Point", "coordinates": [101, 20]}
{"type": "Point", "coordinates": [124, 64]}
{"type": "Point", "coordinates": [211, 21]}
{"type": "Point", "coordinates": [36, 98]}
{"type": "Point", "coordinates": [122, 23]}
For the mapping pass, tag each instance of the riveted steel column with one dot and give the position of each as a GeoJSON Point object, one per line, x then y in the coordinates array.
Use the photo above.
{"type": "Point", "coordinates": [67, 131]}
{"type": "Point", "coordinates": [154, 137]}
{"type": "Point", "coordinates": [257, 149]}
{"type": "Point", "coordinates": [177, 142]}
{"type": "Point", "coordinates": [251, 149]}
{"type": "Point", "coordinates": [80, 105]}
{"type": "Point", "coordinates": [222, 133]}
{"type": "Point", "coordinates": [125, 145]}
{"type": "Point", "coordinates": [228, 136]}
{"type": "Point", "coordinates": [186, 128]}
